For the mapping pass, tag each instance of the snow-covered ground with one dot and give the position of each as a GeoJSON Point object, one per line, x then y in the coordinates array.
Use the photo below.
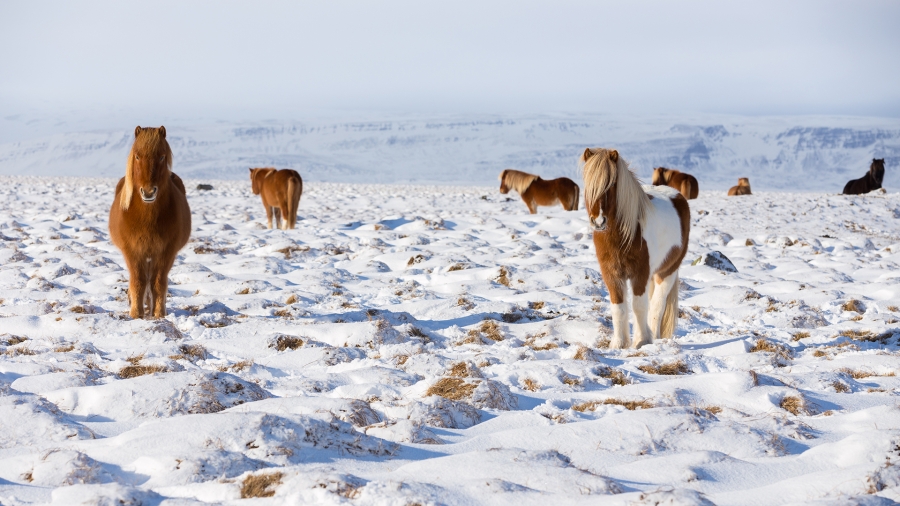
{"type": "Point", "coordinates": [438, 345]}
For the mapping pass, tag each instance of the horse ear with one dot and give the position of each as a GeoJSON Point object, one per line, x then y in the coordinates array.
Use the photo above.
{"type": "Point", "coordinates": [587, 154]}
{"type": "Point", "coordinates": [613, 155]}
{"type": "Point", "coordinates": [137, 130]}
{"type": "Point", "coordinates": [162, 132]}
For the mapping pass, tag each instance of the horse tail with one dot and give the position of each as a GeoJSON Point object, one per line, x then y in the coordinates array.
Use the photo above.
{"type": "Point", "coordinates": [667, 324]}
{"type": "Point", "coordinates": [294, 190]}
{"type": "Point", "coordinates": [576, 197]}
{"type": "Point", "coordinates": [686, 188]}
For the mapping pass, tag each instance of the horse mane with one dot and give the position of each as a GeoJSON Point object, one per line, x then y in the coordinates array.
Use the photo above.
{"type": "Point", "coordinates": [145, 140]}
{"type": "Point", "coordinates": [517, 180]}
{"type": "Point", "coordinates": [604, 168]}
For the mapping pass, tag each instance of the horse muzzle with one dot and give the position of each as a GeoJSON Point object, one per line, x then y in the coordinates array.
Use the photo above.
{"type": "Point", "coordinates": [149, 196]}
{"type": "Point", "coordinates": [598, 227]}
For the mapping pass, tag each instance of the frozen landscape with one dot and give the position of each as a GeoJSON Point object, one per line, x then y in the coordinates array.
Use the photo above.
{"type": "Point", "coordinates": [438, 345]}
{"type": "Point", "coordinates": [809, 153]}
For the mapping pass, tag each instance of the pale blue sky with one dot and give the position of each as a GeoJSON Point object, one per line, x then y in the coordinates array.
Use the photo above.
{"type": "Point", "coordinates": [256, 60]}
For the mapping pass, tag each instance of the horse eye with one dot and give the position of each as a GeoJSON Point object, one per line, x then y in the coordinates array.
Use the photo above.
{"type": "Point", "coordinates": [136, 157]}
{"type": "Point", "coordinates": [162, 158]}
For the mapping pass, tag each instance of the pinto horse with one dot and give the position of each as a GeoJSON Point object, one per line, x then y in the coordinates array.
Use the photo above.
{"type": "Point", "coordinates": [742, 188]}
{"type": "Point", "coordinates": [540, 192]}
{"type": "Point", "coordinates": [641, 235]}
{"type": "Point", "coordinates": [681, 181]}
{"type": "Point", "coordinates": [871, 181]}
{"type": "Point", "coordinates": [280, 191]}
{"type": "Point", "coordinates": [149, 220]}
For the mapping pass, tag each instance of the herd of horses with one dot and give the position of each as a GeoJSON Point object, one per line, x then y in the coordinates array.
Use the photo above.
{"type": "Point", "coordinates": [640, 233]}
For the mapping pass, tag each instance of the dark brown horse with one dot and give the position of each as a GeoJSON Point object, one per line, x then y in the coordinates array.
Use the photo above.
{"type": "Point", "coordinates": [742, 188]}
{"type": "Point", "coordinates": [540, 192]}
{"type": "Point", "coordinates": [149, 220]}
{"type": "Point", "coordinates": [871, 181]}
{"type": "Point", "coordinates": [681, 181]}
{"type": "Point", "coordinates": [280, 191]}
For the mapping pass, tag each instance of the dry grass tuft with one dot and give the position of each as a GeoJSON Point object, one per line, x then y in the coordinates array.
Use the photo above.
{"type": "Point", "coordinates": [236, 367]}
{"type": "Point", "coordinates": [415, 260]}
{"type": "Point", "coordinates": [64, 348]}
{"type": "Point", "coordinates": [531, 385]}
{"type": "Point", "coordinates": [456, 267]}
{"type": "Point", "coordinates": [503, 278]}
{"type": "Point", "coordinates": [465, 303]}
{"type": "Point", "coordinates": [839, 387]}
{"type": "Point", "coordinates": [799, 335]}
{"type": "Point", "coordinates": [289, 251]}
{"type": "Point", "coordinates": [14, 352]}
{"type": "Point", "coordinates": [413, 331]}
{"type": "Point", "coordinates": [629, 405]}
{"type": "Point", "coordinates": [893, 309]}
{"type": "Point", "coordinates": [454, 389]}
{"type": "Point", "coordinates": [259, 485]}
{"type": "Point", "coordinates": [512, 317]}
{"type": "Point", "coordinates": [192, 352]}
{"type": "Point", "coordinates": [794, 404]}
{"type": "Point", "coordinates": [670, 369]}
{"type": "Point", "coordinates": [854, 306]}
{"type": "Point", "coordinates": [491, 330]}
{"type": "Point", "coordinates": [283, 313]}
{"type": "Point", "coordinates": [781, 352]}
{"type": "Point", "coordinates": [712, 409]}
{"type": "Point", "coordinates": [292, 299]}
{"type": "Point", "coordinates": [571, 381]}
{"type": "Point", "coordinates": [401, 359]}
{"type": "Point", "coordinates": [284, 342]}
{"type": "Point", "coordinates": [536, 305]}
{"type": "Point", "coordinates": [616, 376]}
{"type": "Point", "coordinates": [584, 353]}
{"type": "Point", "coordinates": [11, 340]}
{"type": "Point", "coordinates": [133, 371]}
{"type": "Point", "coordinates": [749, 242]}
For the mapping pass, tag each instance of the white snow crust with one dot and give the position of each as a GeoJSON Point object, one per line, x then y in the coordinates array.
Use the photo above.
{"type": "Point", "coordinates": [316, 353]}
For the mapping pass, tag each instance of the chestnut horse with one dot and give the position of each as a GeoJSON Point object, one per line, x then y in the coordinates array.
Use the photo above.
{"type": "Point", "coordinates": [151, 228]}
{"type": "Point", "coordinates": [681, 181]}
{"type": "Point", "coordinates": [540, 192]}
{"type": "Point", "coordinates": [871, 181]}
{"type": "Point", "coordinates": [742, 188]}
{"type": "Point", "coordinates": [280, 190]}
{"type": "Point", "coordinates": [641, 236]}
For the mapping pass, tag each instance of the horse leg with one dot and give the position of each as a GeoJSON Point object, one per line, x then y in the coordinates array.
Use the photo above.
{"type": "Point", "coordinates": [137, 285]}
{"type": "Point", "coordinates": [658, 302]}
{"type": "Point", "coordinates": [640, 305]}
{"type": "Point", "coordinates": [269, 215]}
{"type": "Point", "coordinates": [277, 212]}
{"type": "Point", "coordinates": [160, 286]}
{"type": "Point", "coordinates": [618, 309]}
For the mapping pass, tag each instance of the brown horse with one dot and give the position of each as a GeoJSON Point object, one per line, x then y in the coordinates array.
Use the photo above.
{"type": "Point", "coordinates": [641, 235]}
{"type": "Point", "coordinates": [681, 181]}
{"type": "Point", "coordinates": [540, 192]}
{"type": "Point", "coordinates": [742, 188]}
{"type": "Point", "coordinates": [280, 190]}
{"type": "Point", "coordinates": [871, 181]}
{"type": "Point", "coordinates": [149, 229]}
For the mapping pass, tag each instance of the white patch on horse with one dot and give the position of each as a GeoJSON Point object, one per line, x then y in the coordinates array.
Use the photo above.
{"type": "Point", "coordinates": [661, 226]}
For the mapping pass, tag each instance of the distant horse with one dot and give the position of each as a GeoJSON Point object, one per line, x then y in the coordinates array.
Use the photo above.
{"type": "Point", "coordinates": [540, 192]}
{"type": "Point", "coordinates": [742, 188]}
{"type": "Point", "coordinates": [681, 181]}
{"type": "Point", "coordinates": [152, 228]}
{"type": "Point", "coordinates": [280, 190]}
{"type": "Point", "coordinates": [640, 235]}
{"type": "Point", "coordinates": [871, 181]}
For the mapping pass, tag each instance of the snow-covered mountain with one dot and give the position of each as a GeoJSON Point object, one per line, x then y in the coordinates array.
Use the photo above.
{"type": "Point", "coordinates": [777, 153]}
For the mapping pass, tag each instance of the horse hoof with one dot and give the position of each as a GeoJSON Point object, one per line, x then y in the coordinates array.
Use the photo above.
{"type": "Point", "coordinates": [618, 345]}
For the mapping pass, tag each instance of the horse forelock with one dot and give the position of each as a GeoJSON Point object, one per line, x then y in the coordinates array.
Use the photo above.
{"type": "Point", "coordinates": [517, 180]}
{"type": "Point", "coordinates": [600, 174]}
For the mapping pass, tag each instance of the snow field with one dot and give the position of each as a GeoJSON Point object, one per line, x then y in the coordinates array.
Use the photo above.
{"type": "Point", "coordinates": [438, 345]}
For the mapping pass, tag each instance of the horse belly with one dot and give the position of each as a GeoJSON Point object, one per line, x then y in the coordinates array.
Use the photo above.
{"type": "Point", "coordinates": [662, 231]}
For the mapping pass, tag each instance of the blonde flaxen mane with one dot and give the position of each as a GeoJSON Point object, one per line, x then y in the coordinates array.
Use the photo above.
{"type": "Point", "coordinates": [517, 180]}
{"type": "Point", "coordinates": [604, 168]}
{"type": "Point", "coordinates": [147, 142]}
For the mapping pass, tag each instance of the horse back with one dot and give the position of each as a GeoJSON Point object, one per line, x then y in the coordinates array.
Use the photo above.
{"type": "Point", "coordinates": [178, 183]}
